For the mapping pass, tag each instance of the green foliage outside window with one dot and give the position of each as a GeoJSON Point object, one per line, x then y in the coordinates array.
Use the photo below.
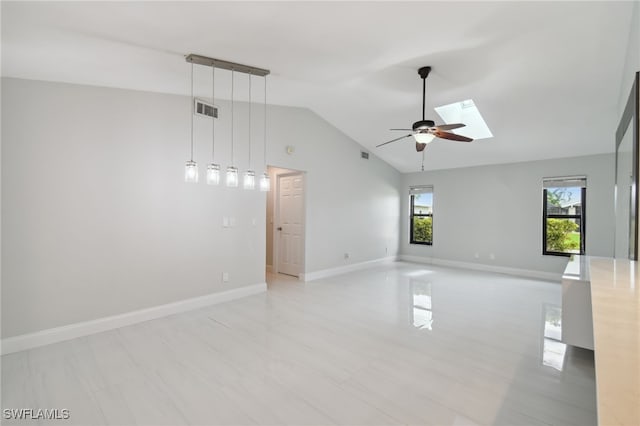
{"type": "Point", "coordinates": [563, 235]}
{"type": "Point", "coordinates": [423, 229]}
{"type": "Point", "coordinates": [560, 235]}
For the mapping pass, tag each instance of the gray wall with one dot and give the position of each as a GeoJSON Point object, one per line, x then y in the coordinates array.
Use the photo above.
{"type": "Point", "coordinates": [351, 203]}
{"type": "Point", "coordinates": [97, 221]}
{"type": "Point", "coordinates": [498, 209]}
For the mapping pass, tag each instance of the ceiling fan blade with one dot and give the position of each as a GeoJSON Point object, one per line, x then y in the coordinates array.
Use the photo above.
{"type": "Point", "coordinates": [450, 126]}
{"type": "Point", "coordinates": [393, 140]}
{"type": "Point", "coordinates": [420, 146]}
{"type": "Point", "coordinates": [451, 136]}
{"type": "Point", "coordinates": [401, 129]}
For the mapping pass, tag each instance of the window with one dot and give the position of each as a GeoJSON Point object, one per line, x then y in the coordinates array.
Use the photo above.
{"type": "Point", "coordinates": [421, 228]}
{"type": "Point", "coordinates": [563, 216]}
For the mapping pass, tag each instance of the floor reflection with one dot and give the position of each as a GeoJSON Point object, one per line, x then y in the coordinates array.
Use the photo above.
{"type": "Point", "coordinates": [421, 311]}
{"type": "Point", "coordinates": [553, 350]}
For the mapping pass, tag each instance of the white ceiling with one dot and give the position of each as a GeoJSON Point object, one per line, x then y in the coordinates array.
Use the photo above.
{"type": "Point", "coordinates": [545, 76]}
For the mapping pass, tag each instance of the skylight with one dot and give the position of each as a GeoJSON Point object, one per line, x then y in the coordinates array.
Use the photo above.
{"type": "Point", "coordinates": [465, 112]}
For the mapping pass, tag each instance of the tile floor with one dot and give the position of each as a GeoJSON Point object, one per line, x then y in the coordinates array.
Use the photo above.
{"type": "Point", "coordinates": [396, 344]}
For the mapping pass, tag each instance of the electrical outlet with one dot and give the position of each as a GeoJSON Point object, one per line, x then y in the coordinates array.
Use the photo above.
{"type": "Point", "coordinates": [225, 277]}
{"type": "Point", "coordinates": [225, 222]}
{"type": "Point", "coordinates": [346, 256]}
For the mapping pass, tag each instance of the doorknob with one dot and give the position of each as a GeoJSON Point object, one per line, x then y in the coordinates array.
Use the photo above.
{"type": "Point", "coordinates": [279, 228]}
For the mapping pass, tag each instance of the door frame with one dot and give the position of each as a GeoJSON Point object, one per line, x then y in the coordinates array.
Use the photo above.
{"type": "Point", "coordinates": [276, 221]}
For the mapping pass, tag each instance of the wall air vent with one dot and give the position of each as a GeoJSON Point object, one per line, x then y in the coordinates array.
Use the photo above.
{"type": "Point", "coordinates": [364, 155]}
{"type": "Point", "coordinates": [205, 109]}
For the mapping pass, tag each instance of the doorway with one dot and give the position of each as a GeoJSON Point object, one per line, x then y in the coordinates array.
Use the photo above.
{"type": "Point", "coordinates": [286, 222]}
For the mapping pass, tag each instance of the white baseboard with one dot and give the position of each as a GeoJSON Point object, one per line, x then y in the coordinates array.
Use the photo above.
{"type": "Point", "coordinates": [71, 331]}
{"type": "Point", "coordinates": [324, 273]}
{"type": "Point", "coordinates": [526, 273]}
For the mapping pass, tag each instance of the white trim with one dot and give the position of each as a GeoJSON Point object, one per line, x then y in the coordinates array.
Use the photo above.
{"type": "Point", "coordinates": [324, 273]}
{"type": "Point", "coordinates": [527, 273]}
{"type": "Point", "coordinates": [72, 331]}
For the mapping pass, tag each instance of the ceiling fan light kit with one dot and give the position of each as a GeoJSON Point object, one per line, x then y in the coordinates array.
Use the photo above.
{"type": "Point", "coordinates": [424, 137]}
{"type": "Point", "coordinates": [425, 131]}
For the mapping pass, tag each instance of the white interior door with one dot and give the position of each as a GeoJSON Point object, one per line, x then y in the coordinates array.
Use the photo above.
{"type": "Point", "coordinates": [290, 227]}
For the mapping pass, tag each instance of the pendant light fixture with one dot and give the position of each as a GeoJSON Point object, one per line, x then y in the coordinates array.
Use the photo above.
{"type": "Point", "coordinates": [265, 181]}
{"type": "Point", "coordinates": [213, 169]}
{"type": "Point", "coordinates": [249, 181]}
{"type": "Point", "coordinates": [232, 171]}
{"type": "Point", "coordinates": [191, 168]}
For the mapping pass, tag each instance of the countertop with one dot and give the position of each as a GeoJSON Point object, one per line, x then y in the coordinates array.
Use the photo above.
{"type": "Point", "coordinates": [615, 295]}
{"type": "Point", "coordinates": [577, 269]}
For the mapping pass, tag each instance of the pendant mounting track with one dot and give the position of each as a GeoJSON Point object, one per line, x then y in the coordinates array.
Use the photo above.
{"type": "Point", "coordinates": [226, 65]}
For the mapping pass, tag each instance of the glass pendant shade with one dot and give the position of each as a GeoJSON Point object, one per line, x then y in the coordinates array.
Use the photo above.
{"type": "Point", "coordinates": [424, 137]}
{"type": "Point", "coordinates": [265, 182]}
{"type": "Point", "coordinates": [213, 174]}
{"type": "Point", "coordinates": [191, 172]}
{"type": "Point", "coordinates": [232, 177]}
{"type": "Point", "coordinates": [249, 181]}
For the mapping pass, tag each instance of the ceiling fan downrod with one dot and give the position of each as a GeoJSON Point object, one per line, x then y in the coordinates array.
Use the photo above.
{"type": "Point", "coordinates": [424, 73]}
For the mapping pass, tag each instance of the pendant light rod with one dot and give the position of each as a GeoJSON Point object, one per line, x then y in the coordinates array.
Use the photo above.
{"type": "Point", "coordinates": [232, 108]}
{"type": "Point", "coordinates": [191, 167]}
{"type": "Point", "coordinates": [265, 122]}
{"type": "Point", "coordinates": [192, 111]}
{"type": "Point", "coordinates": [213, 119]}
{"type": "Point", "coordinates": [226, 65]}
{"type": "Point", "coordinates": [265, 180]}
{"type": "Point", "coordinates": [249, 121]}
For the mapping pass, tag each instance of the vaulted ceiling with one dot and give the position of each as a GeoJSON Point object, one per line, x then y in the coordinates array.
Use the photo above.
{"type": "Point", "coordinates": [546, 76]}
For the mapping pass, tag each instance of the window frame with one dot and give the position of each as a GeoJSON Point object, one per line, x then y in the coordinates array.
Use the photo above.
{"type": "Point", "coordinates": [411, 218]}
{"type": "Point", "coordinates": [582, 229]}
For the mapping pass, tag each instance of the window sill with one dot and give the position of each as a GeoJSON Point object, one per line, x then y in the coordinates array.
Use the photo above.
{"type": "Point", "coordinates": [553, 253]}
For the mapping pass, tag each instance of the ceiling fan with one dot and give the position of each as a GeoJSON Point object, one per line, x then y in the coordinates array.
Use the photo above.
{"type": "Point", "coordinates": [425, 131]}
